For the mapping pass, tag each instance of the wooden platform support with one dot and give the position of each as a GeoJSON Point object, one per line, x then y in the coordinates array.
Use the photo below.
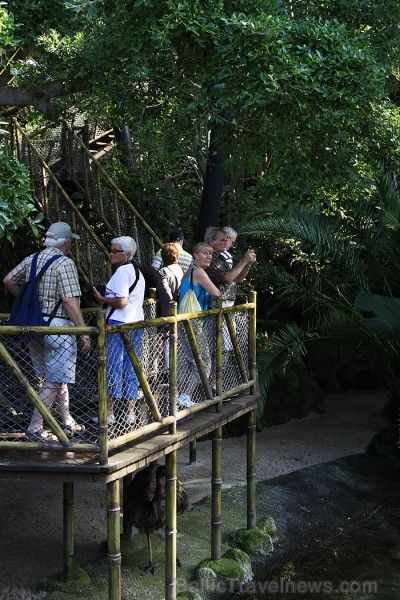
{"type": "Point", "coordinates": [170, 526]}
{"type": "Point", "coordinates": [113, 540]}
{"type": "Point", "coordinates": [216, 488]}
{"type": "Point", "coordinates": [251, 469]}
{"type": "Point", "coordinates": [68, 530]}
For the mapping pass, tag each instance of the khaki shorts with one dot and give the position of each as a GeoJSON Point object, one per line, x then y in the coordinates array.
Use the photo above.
{"type": "Point", "coordinates": [54, 356]}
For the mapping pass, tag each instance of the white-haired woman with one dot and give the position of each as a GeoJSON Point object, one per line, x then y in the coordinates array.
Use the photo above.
{"type": "Point", "coordinates": [124, 296]}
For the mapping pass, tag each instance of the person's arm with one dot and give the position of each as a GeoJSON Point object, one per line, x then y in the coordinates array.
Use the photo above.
{"type": "Point", "coordinates": [114, 302]}
{"type": "Point", "coordinates": [12, 286]}
{"type": "Point", "coordinates": [200, 277]}
{"type": "Point", "coordinates": [157, 260]}
{"type": "Point", "coordinates": [164, 287]}
{"type": "Point", "coordinates": [240, 271]}
{"type": "Point", "coordinates": [73, 310]}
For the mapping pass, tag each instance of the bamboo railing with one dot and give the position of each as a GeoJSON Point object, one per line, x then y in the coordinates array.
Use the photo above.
{"type": "Point", "coordinates": [175, 335]}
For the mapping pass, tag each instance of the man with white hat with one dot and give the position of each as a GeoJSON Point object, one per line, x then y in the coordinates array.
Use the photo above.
{"type": "Point", "coordinates": [54, 356]}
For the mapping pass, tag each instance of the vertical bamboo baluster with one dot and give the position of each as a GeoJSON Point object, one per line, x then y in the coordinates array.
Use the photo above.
{"type": "Point", "coordinates": [68, 530]}
{"type": "Point", "coordinates": [218, 355]}
{"type": "Point", "coordinates": [251, 469]}
{"type": "Point", "coordinates": [113, 541]}
{"type": "Point", "coordinates": [170, 526]}
{"type": "Point", "coordinates": [102, 387]}
{"type": "Point", "coordinates": [252, 340]}
{"type": "Point", "coordinates": [216, 486]}
{"type": "Point", "coordinates": [251, 423]}
{"type": "Point", "coordinates": [173, 354]}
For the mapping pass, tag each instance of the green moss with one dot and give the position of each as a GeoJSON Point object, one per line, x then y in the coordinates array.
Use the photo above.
{"type": "Point", "coordinates": [253, 541]}
{"type": "Point", "coordinates": [267, 525]}
{"type": "Point", "coordinates": [77, 585]}
{"type": "Point", "coordinates": [239, 556]}
{"type": "Point", "coordinates": [227, 568]}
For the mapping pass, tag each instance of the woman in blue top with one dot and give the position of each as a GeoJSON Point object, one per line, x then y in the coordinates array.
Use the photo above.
{"type": "Point", "coordinates": [197, 279]}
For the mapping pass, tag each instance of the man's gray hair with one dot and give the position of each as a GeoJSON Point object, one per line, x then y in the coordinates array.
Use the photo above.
{"type": "Point", "coordinates": [127, 244]}
{"type": "Point", "coordinates": [211, 233]}
{"type": "Point", "coordinates": [54, 243]}
{"type": "Point", "coordinates": [230, 232]}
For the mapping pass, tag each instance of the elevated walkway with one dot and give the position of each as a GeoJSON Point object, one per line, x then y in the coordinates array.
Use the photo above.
{"type": "Point", "coordinates": [210, 354]}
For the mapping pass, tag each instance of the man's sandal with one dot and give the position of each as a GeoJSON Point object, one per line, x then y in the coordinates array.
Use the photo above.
{"type": "Point", "coordinates": [38, 435]}
{"type": "Point", "coordinates": [73, 429]}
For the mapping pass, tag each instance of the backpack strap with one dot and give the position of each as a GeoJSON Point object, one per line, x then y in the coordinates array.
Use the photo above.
{"type": "Point", "coordinates": [202, 291]}
{"type": "Point", "coordinates": [137, 273]}
{"type": "Point", "coordinates": [36, 278]}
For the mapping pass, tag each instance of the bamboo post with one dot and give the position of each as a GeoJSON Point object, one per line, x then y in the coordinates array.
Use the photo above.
{"type": "Point", "coordinates": [251, 469]}
{"type": "Point", "coordinates": [252, 341]}
{"type": "Point", "coordinates": [192, 452]}
{"type": "Point", "coordinates": [170, 526]}
{"type": "Point", "coordinates": [102, 387]}
{"type": "Point", "coordinates": [68, 530]}
{"type": "Point", "coordinates": [219, 356]}
{"type": "Point", "coordinates": [251, 426]}
{"type": "Point", "coordinates": [216, 486]}
{"type": "Point", "coordinates": [113, 541]}
{"type": "Point", "coordinates": [173, 354]}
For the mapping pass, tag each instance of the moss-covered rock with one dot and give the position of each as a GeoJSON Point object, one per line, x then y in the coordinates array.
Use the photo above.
{"type": "Point", "coordinates": [234, 565]}
{"type": "Point", "coordinates": [253, 541]}
{"type": "Point", "coordinates": [206, 578]}
{"type": "Point", "coordinates": [79, 582]}
{"type": "Point", "coordinates": [242, 558]}
{"type": "Point", "coordinates": [267, 525]}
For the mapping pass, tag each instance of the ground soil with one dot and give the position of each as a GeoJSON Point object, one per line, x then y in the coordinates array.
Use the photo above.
{"type": "Point", "coordinates": [31, 512]}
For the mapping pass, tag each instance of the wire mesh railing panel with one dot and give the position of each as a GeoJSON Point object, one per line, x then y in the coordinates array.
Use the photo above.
{"type": "Point", "coordinates": [50, 371]}
{"type": "Point", "coordinates": [231, 375]}
{"type": "Point", "coordinates": [190, 388]}
{"type": "Point", "coordinates": [64, 380]}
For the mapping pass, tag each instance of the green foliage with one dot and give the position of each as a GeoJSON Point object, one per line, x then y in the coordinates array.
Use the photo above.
{"type": "Point", "coordinates": [299, 95]}
{"type": "Point", "coordinates": [16, 204]}
{"type": "Point", "coordinates": [335, 266]}
{"type": "Point", "coordinates": [8, 41]}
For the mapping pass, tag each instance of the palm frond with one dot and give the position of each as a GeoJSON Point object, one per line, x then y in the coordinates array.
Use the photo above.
{"type": "Point", "coordinates": [322, 235]}
{"type": "Point", "coordinates": [289, 342]}
{"type": "Point", "coordinates": [386, 322]}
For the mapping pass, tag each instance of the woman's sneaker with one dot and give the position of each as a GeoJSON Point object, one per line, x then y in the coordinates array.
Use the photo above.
{"type": "Point", "coordinates": [110, 419]}
{"type": "Point", "coordinates": [184, 401]}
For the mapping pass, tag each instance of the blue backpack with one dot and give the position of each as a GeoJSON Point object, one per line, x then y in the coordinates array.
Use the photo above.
{"type": "Point", "coordinates": [26, 309]}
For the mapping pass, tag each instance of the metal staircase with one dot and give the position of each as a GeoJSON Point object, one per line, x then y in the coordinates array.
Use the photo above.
{"type": "Point", "coordinates": [70, 183]}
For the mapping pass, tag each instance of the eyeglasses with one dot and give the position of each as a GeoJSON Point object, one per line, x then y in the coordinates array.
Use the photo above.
{"type": "Point", "coordinates": [114, 251]}
{"type": "Point", "coordinates": [221, 240]}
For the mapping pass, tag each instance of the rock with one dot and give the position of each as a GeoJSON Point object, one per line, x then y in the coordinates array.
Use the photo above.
{"type": "Point", "coordinates": [254, 541]}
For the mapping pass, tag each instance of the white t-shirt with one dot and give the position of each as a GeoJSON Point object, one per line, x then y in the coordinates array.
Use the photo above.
{"type": "Point", "coordinates": [118, 287]}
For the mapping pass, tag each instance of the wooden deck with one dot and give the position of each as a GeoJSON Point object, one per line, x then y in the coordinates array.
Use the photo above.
{"type": "Point", "coordinates": [73, 467]}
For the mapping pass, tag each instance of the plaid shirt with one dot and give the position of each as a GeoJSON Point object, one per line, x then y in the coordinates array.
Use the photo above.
{"type": "Point", "coordinates": [216, 272]}
{"type": "Point", "coordinates": [58, 282]}
{"type": "Point", "coordinates": [184, 260]}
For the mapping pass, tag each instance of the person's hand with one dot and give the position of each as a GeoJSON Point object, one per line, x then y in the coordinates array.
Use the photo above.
{"type": "Point", "coordinates": [85, 342]}
{"type": "Point", "coordinates": [97, 295]}
{"type": "Point", "coordinates": [250, 257]}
